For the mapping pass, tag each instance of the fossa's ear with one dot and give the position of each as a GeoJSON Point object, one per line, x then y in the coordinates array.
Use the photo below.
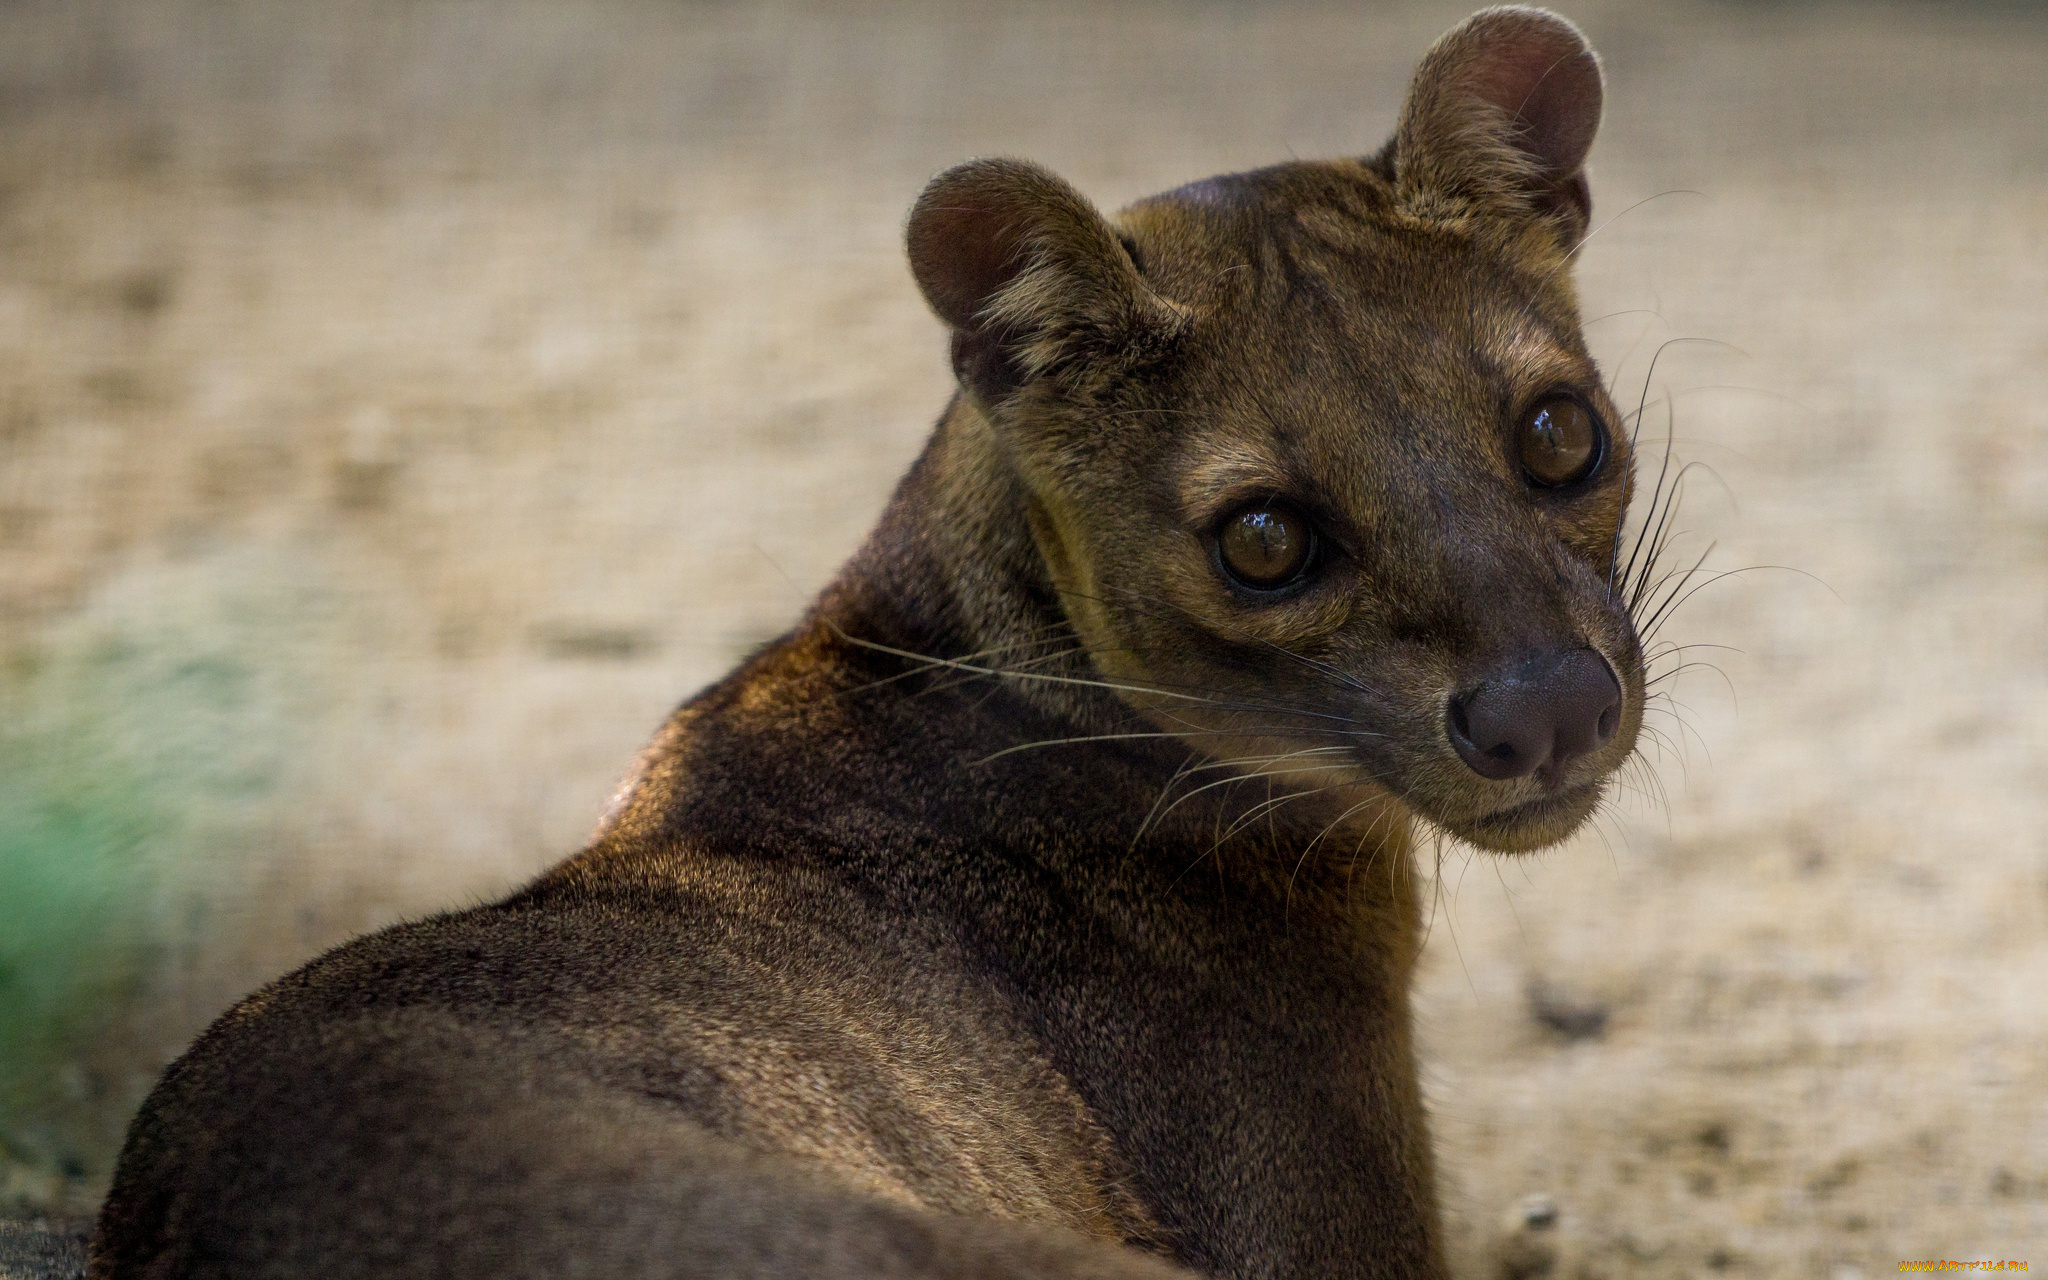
{"type": "Point", "coordinates": [1030, 277]}
{"type": "Point", "coordinates": [1503, 111]}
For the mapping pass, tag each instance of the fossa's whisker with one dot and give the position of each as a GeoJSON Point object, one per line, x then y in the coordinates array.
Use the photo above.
{"type": "Point", "coordinates": [1158, 689]}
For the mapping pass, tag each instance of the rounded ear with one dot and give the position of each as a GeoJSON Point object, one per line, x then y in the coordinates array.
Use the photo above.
{"type": "Point", "coordinates": [969, 232]}
{"type": "Point", "coordinates": [1504, 109]}
{"type": "Point", "coordinates": [1024, 270]}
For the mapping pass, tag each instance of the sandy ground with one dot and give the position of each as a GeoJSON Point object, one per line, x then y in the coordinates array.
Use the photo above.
{"type": "Point", "coordinates": [401, 406]}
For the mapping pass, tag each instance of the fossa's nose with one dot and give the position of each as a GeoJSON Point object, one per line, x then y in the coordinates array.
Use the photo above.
{"type": "Point", "coordinates": [1536, 714]}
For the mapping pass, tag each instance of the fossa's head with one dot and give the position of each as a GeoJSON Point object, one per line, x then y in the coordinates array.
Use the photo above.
{"type": "Point", "coordinates": [1316, 456]}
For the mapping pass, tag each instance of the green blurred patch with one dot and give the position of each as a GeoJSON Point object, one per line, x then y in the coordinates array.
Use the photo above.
{"type": "Point", "coordinates": [78, 941]}
{"type": "Point", "coordinates": [141, 744]}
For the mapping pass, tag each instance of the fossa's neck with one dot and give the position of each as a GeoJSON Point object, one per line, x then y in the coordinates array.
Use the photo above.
{"type": "Point", "coordinates": [953, 573]}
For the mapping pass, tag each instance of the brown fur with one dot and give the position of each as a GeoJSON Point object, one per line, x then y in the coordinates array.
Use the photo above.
{"type": "Point", "coordinates": [1042, 905]}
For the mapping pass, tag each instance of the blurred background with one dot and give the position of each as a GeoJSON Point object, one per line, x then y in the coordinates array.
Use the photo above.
{"type": "Point", "coordinates": [402, 405]}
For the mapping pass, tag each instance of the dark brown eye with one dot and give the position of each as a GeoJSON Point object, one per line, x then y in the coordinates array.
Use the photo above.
{"type": "Point", "coordinates": [1559, 442]}
{"type": "Point", "coordinates": [1265, 547]}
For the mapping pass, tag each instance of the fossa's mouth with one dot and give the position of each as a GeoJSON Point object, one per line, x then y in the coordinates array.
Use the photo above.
{"type": "Point", "coordinates": [1533, 823]}
{"type": "Point", "coordinates": [1525, 825]}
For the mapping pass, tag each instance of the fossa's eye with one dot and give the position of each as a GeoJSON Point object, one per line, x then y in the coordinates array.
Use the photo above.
{"type": "Point", "coordinates": [1559, 442]}
{"type": "Point", "coordinates": [1265, 547]}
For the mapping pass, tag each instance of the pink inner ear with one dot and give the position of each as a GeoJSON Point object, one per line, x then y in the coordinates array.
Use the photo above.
{"type": "Point", "coordinates": [964, 247]}
{"type": "Point", "coordinates": [1547, 79]}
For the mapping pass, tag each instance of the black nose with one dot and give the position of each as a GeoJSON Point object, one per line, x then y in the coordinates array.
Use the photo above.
{"type": "Point", "coordinates": [1539, 712]}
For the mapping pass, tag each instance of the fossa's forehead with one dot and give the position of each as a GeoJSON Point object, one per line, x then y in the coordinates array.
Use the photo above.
{"type": "Point", "coordinates": [1322, 252]}
{"type": "Point", "coordinates": [1336, 360]}
{"type": "Point", "coordinates": [1331, 334]}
